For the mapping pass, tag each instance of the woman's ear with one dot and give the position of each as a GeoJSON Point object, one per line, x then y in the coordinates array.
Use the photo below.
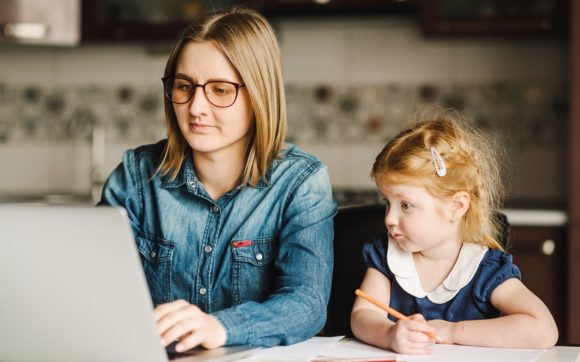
{"type": "Point", "coordinates": [458, 205]}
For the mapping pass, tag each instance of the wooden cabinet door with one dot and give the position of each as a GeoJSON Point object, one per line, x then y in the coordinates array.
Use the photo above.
{"type": "Point", "coordinates": [539, 253]}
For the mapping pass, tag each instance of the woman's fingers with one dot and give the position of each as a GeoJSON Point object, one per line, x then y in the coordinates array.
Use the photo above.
{"type": "Point", "coordinates": [182, 329]}
{"type": "Point", "coordinates": [175, 319]}
{"type": "Point", "coordinates": [167, 308]}
{"type": "Point", "coordinates": [189, 341]}
{"type": "Point", "coordinates": [187, 323]}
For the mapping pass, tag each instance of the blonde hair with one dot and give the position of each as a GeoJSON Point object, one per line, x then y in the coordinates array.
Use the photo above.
{"type": "Point", "coordinates": [472, 163]}
{"type": "Point", "coordinates": [249, 43]}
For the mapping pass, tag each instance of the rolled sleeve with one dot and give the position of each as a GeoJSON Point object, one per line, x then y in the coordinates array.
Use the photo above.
{"type": "Point", "coordinates": [236, 324]}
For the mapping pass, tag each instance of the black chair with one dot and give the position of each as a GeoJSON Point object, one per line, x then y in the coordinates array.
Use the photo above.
{"type": "Point", "coordinates": [354, 226]}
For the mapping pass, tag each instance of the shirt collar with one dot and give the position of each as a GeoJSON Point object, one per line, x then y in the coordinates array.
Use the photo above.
{"type": "Point", "coordinates": [187, 176]}
{"type": "Point", "coordinates": [401, 263]}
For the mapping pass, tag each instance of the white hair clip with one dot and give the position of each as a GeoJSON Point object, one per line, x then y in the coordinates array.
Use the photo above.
{"type": "Point", "coordinates": [440, 168]}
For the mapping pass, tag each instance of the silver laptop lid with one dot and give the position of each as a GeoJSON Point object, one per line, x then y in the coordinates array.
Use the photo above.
{"type": "Point", "coordinates": [72, 287]}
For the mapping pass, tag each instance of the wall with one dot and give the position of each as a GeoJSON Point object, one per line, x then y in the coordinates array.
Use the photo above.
{"type": "Point", "coordinates": [343, 52]}
{"type": "Point", "coordinates": [518, 86]}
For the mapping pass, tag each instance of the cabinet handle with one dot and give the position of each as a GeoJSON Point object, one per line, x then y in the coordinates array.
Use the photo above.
{"type": "Point", "coordinates": [548, 247]}
{"type": "Point", "coordinates": [25, 30]}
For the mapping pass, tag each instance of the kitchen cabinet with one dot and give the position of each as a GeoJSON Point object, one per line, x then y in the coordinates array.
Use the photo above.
{"type": "Point", "coordinates": [40, 22]}
{"type": "Point", "coordinates": [494, 17]}
{"type": "Point", "coordinates": [332, 7]}
{"type": "Point", "coordinates": [539, 252]}
{"type": "Point", "coordinates": [142, 21]}
{"type": "Point", "coordinates": [153, 20]}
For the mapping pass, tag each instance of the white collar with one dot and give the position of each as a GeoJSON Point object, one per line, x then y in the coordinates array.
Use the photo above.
{"type": "Point", "coordinates": [403, 267]}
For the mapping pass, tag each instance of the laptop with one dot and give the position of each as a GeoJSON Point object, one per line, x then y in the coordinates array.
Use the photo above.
{"type": "Point", "coordinates": [72, 289]}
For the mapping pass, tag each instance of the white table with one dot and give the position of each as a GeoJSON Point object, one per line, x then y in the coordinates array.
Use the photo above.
{"type": "Point", "coordinates": [338, 347]}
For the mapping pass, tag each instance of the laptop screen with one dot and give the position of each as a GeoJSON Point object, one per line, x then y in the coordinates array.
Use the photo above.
{"type": "Point", "coordinates": [72, 286]}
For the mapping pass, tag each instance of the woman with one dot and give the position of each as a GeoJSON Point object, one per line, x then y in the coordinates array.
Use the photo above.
{"type": "Point", "coordinates": [234, 227]}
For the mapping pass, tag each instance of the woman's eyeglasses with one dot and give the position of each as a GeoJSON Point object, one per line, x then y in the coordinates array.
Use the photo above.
{"type": "Point", "coordinates": [219, 93]}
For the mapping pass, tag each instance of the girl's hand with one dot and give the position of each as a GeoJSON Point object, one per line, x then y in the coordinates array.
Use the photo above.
{"type": "Point", "coordinates": [408, 336]}
{"type": "Point", "coordinates": [187, 323]}
{"type": "Point", "coordinates": [443, 329]}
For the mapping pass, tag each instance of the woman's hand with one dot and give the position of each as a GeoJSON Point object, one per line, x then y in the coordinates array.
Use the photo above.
{"type": "Point", "coordinates": [187, 323]}
{"type": "Point", "coordinates": [408, 336]}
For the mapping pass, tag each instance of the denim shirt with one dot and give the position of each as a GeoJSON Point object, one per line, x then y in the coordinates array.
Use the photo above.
{"type": "Point", "coordinates": [259, 259]}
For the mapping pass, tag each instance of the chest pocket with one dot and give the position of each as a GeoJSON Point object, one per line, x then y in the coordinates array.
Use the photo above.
{"type": "Point", "coordinates": [252, 272]}
{"type": "Point", "coordinates": [156, 258]}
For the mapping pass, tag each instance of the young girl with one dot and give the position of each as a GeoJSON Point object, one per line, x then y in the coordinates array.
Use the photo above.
{"type": "Point", "coordinates": [440, 261]}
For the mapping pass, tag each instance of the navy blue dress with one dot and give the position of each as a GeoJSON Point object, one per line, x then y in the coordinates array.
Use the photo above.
{"type": "Point", "coordinates": [470, 302]}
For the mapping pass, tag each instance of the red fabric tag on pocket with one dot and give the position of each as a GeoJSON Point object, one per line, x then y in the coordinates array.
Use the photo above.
{"type": "Point", "coordinates": [241, 243]}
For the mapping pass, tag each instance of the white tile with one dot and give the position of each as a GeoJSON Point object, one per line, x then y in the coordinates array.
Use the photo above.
{"type": "Point", "coordinates": [509, 60]}
{"type": "Point", "coordinates": [114, 153]}
{"type": "Point", "coordinates": [53, 167]}
{"type": "Point", "coordinates": [349, 166]}
{"type": "Point", "coordinates": [393, 50]}
{"type": "Point", "coordinates": [26, 64]}
{"type": "Point", "coordinates": [154, 67]}
{"type": "Point", "coordinates": [332, 157]}
{"type": "Point", "coordinates": [360, 159]}
{"type": "Point", "coordinates": [110, 65]}
{"type": "Point", "coordinates": [313, 52]}
{"type": "Point", "coordinates": [43, 168]}
{"type": "Point", "coordinates": [538, 173]}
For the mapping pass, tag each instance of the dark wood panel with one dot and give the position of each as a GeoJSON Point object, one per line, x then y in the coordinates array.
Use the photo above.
{"type": "Point", "coordinates": [496, 18]}
{"type": "Point", "coordinates": [573, 248]}
{"type": "Point", "coordinates": [334, 7]}
{"type": "Point", "coordinates": [543, 272]}
{"type": "Point", "coordinates": [573, 283]}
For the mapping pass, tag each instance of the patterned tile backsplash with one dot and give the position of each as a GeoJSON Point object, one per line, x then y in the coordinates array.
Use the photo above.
{"type": "Point", "coordinates": [32, 113]}
{"type": "Point", "coordinates": [344, 125]}
{"type": "Point", "coordinates": [520, 114]}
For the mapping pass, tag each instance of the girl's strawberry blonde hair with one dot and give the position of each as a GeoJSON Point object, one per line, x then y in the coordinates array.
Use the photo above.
{"type": "Point", "coordinates": [472, 165]}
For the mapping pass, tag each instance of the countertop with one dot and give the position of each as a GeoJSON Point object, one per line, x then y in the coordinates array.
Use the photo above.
{"type": "Point", "coordinates": [520, 212]}
{"type": "Point", "coordinates": [53, 198]}
{"type": "Point", "coordinates": [536, 217]}
{"type": "Point", "coordinates": [517, 216]}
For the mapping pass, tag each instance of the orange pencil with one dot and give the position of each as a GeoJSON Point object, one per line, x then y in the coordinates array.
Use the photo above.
{"type": "Point", "coordinates": [392, 312]}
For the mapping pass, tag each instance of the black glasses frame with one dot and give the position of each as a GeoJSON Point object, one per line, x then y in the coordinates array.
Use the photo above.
{"type": "Point", "coordinates": [167, 89]}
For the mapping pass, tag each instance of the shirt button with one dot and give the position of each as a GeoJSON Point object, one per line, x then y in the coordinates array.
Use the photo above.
{"type": "Point", "coordinates": [215, 208]}
{"type": "Point", "coordinates": [192, 184]}
{"type": "Point", "coordinates": [202, 291]}
{"type": "Point", "coordinates": [259, 256]}
{"type": "Point", "coordinates": [207, 248]}
{"type": "Point", "coordinates": [153, 254]}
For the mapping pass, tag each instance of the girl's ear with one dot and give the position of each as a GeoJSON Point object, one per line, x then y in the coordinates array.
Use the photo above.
{"type": "Point", "coordinates": [459, 205]}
